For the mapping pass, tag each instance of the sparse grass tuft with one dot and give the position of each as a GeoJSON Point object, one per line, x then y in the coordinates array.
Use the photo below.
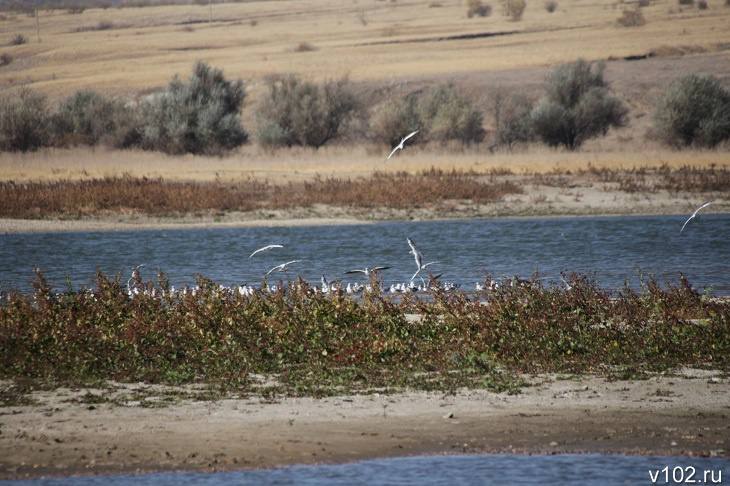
{"type": "Point", "coordinates": [101, 25]}
{"type": "Point", "coordinates": [478, 9]}
{"type": "Point", "coordinates": [551, 6]}
{"type": "Point", "coordinates": [304, 47]}
{"type": "Point", "coordinates": [18, 40]}
{"type": "Point", "coordinates": [5, 59]}
{"type": "Point", "coordinates": [631, 18]}
{"type": "Point", "coordinates": [514, 9]}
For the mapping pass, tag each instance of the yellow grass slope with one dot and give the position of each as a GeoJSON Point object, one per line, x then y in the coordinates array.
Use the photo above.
{"type": "Point", "coordinates": [368, 40]}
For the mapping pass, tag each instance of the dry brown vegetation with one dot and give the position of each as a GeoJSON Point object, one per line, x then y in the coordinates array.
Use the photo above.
{"type": "Point", "coordinates": [686, 179]}
{"type": "Point", "coordinates": [432, 189]}
{"type": "Point", "coordinates": [159, 197]}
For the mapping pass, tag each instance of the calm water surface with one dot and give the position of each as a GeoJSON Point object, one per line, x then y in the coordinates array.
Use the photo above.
{"type": "Point", "coordinates": [584, 470]}
{"type": "Point", "coordinates": [612, 249]}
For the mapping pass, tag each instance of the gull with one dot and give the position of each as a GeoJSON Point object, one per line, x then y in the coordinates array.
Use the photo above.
{"type": "Point", "coordinates": [265, 248]}
{"type": "Point", "coordinates": [418, 257]}
{"type": "Point", "coordinates": [400, 145]}
{"type": "Point", "coordinates": [135, 276]}
{"type": "Point", "coordinates": [281, 268]}
{"type": "Point", "coordinates": [694, 214]}
{"type": "Point", "coordinates": [366, 271]}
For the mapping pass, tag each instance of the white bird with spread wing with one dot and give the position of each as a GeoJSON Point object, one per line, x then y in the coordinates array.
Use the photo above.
{"type": "Point", "coordinates": [265, 248]}
{"type": "Point", "coordinates": [694, 215]}
{"type": "Point", "coordinates": [366, 271]}
{"type": "Point", "coordinates": [419, 258]}
{"type": "Point", "coordinates": [400, 146]}
{"type": "Point", "coordinates": [281, 268]}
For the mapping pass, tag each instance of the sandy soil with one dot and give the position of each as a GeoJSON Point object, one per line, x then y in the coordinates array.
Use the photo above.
{"type": "Point", "coordinates": [681, 414]}
{"type": "Point", "coordinates": [571, 199]}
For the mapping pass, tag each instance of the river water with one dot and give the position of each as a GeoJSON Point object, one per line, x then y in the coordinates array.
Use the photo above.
{"type": "Point", "coordinates": [556, 470]}
{"type": "Point", "coordinates": [611, 249]}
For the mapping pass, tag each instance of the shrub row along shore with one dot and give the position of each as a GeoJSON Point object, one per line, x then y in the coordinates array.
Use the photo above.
{"type": "Point", "coordinates": [202, 115]}
{"type": "Point", "coordinates": [429, 189]}
{"type": "Point", "coordinates": [311, 343]}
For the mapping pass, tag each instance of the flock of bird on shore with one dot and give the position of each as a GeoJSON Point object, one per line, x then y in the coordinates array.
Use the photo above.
{"type": "Point", "coordinates": [325, 287]}
{"type": "Point", "coordinates": [133, 287]}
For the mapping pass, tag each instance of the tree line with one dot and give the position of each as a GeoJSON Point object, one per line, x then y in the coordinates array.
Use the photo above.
{"type": "Point", "coordinates": [202, 114]}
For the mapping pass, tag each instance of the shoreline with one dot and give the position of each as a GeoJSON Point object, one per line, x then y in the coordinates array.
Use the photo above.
{"type": "Point", "coordinates": [67, 432]}
{"type": "Point", "coordinates": [26, 226]}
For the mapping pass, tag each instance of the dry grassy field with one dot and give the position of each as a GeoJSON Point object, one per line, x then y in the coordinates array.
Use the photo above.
{"type": "Point", "coordinates": [369, 40]}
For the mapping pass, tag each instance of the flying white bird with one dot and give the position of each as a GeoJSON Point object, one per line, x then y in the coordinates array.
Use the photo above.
{"type": "Point", "coordinates": [694, 214]}
{"type": "Point", "coordinates": [400, 146]}
{"type": "Point", "coordinates": [366, 271]}
{"type": "Point", "coordinates": [281, 268]}
{"type": "Point", "coordinates": [265, 248]}
{"type": "Point", "coordinates": [418, 257]}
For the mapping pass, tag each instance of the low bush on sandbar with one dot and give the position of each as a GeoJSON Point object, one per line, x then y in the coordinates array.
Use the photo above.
{"type": "Point", "coordinates": [316, 344]}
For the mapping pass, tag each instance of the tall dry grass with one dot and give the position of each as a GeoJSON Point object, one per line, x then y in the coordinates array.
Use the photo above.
{"type": "Point", "coordinates": [300, 164]}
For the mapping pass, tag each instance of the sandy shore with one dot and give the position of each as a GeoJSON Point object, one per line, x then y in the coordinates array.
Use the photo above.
{"type": "Point", "coordinates": [65, 433]}
{"type": "Point", "coordinates": [537, 201]}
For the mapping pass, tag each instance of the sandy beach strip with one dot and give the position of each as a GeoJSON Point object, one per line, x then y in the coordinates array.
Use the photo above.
{"type": "Point", "coordinates": [520, 206]}
{"type": "Point", "coordinates": [675, 414]}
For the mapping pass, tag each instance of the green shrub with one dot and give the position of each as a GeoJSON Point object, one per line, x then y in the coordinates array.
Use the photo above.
{"type": "Point", "coordinates": [515, 8]}
{"type": "Point", "coordinates": [512, 119]}
{"type": "Point", "coordinates": [445, 115]}
{"type": "Point", "coordinates": [477, 8]}
{"type": "Point", "coordinates": [200, 116]}
{"type": "Point", "coordinates": [395, 118]}
{"type": "Point", "coordinates": [88, 118]}
{"type": "Point", "coordinates": [576, 106]}
{"type": "Point", "coordinates": [24, 122]}
{"type": "Point", "coordinates": [695, 109]}
{"type": "Point", "coordinates": [296, 112]}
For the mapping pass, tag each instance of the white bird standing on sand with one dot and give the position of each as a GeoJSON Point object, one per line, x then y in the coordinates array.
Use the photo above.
{"type": "Point", "coordinates": [265, 248]}
{"type": "Point", "coordinates": [400, 146]}
{"type": "Point", "coordinates": [419, 258]}
{"type": "Point", "coordinates": [694, 214]}
{"type": "Point", "coordinates": [366, 271]}
{"type": "Point", "coordinates": [281, 268]}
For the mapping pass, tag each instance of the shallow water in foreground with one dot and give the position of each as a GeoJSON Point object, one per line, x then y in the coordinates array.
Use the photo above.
{"type": "Point", "coordinates": [612, 249]}
{"type": "Point", "coordinates": [568, 469]}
